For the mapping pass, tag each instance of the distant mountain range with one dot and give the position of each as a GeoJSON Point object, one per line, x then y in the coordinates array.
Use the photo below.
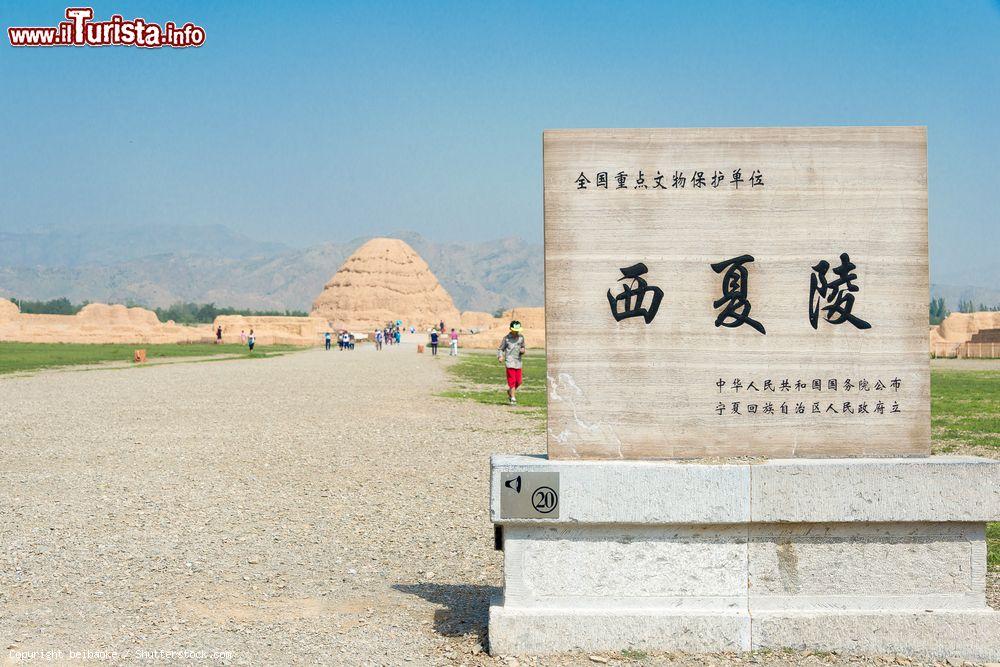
{"type": "Point", "coordinates": [212, 264]}
{"type": "Point", "coordinates": [89, 246]}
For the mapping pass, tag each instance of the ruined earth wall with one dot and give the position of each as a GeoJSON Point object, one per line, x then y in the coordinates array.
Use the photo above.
{"type": "Point", "coordinates": [948, 338]}
{"type": "Point", "coordinates": [273, 330]}
{"type": "Point", "coordinates": [96, 323]}
{"type": "Point", "coordinates": [532, 323]}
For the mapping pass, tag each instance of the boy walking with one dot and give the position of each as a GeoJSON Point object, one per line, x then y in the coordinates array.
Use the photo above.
{"type": "Point", "coordinates": [509, 354]}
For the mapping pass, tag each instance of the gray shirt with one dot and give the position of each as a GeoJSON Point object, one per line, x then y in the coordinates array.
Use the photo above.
{"type": "Point", "coordinates": [511, 349]}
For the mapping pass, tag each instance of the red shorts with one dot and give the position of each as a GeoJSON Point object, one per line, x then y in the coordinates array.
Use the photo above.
{"type": "Point", "coordinates": [514, 377]}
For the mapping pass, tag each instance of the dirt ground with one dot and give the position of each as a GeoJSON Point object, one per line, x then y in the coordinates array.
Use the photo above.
{"type": "Point", "coordinates": [966, 364]}
{"type": "Point", "coordinates": [319, 507]}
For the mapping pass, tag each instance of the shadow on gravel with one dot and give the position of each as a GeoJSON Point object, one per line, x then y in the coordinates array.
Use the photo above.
{"type": "Point", "coordinates": [466, 606]}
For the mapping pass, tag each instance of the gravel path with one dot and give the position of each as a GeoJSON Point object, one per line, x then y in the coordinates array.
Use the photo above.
{"type": "Point", "coordinates": [319, 507]}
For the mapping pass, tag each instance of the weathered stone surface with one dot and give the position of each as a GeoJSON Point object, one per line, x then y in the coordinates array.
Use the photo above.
{"type": "Point", "coordinates": [638, 492]}
{"type": "Point", "coordinates": [867, 566]}
{"type": "Point", "coordinates": [758, 566]}
{"type": "Point", "coordinates": [649, 554]}
{"type": "Point", "coordinates": [626, 566]}
{"type": "Point", "coordinates": [939, 488]}
{"type": "Point", "coordinates": [963, 635]}
{"type": "Point", "coordinates": [526, 631]}
{"type": "Point", "coordinates": [969, 635]}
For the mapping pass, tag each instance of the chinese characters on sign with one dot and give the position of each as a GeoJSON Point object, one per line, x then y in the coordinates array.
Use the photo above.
{"type": "Point", "coordinates": [629, 302]}
{"type": "Point", "coordinates": [677, 180]}
{"type": "Point", "coordinates": [752, 404]}
{"type": "Point", "coordinates": [837, 293]}
{"type": "Point", "coordinates": [734, 303]}
{"type": "Point", "coordinates": [716, 292]}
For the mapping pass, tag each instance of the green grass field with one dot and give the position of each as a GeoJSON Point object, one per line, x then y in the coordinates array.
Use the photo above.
{"type": "Point", "coordinates": [965, 409]}
{"type": "Point", "coordinates": [480, 377]}
{"type": "Point", "coordinates": [965, 406]}
{"type": "Point", "coordinates": [993, 545]}
{"type": "Point", "coordinates": [20, 357]}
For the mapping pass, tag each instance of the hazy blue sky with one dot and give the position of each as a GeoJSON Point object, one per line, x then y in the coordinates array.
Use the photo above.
{"type": "Point", "coordinates": [304, 122]}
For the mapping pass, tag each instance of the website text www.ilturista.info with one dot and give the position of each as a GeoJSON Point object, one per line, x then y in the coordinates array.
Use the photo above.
{"type": "Point", "coordinates": [80, 30]}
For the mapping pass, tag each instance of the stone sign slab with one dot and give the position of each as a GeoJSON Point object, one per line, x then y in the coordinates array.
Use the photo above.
{"type": "Point", "coordinates": [627, 492]}
{"type": "Point", "coordinates": [736, 292]}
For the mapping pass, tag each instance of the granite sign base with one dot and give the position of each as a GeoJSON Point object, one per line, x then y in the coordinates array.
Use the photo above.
{"type": "Point", "coordinates": [853, 555]}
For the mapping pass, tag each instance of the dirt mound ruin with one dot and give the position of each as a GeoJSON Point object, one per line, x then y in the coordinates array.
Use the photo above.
{"type": "Point", "coordinates": [383, 281]}
{"type": "Point", "coordinates": [532, 328]}
{"type": "Point", "coordinates": [474, 320]}
{"type": "Point", "coordinates": [273, 330]}
{"type": "Point", "coordinates": [948, 338]}
{"type": "Point", "coordinates": [95, 323]}
{"type": "Point", "coordinates": [8, 311]}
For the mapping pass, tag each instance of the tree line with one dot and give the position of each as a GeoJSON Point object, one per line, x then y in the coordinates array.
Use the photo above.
{"type": "Point", "coordinates": [205, 313]}
{"type": "Point", "coordinates": [968, 307]}
{"type": "Point", "coordinates": [939, 310]}
{"type": "Point", "coordinates": [60, 306]}
{"type": "Point", "coordinates": [180, 312]}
